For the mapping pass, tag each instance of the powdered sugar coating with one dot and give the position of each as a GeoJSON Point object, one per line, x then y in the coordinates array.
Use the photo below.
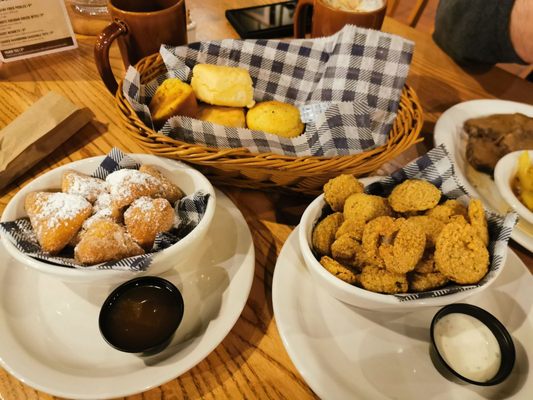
{"type": "Point", "coordinates": [126, 185]}
{"type": "Point", "coordinates": [57, 207]}
{"type": "Point", "coordinates": [86, 186]}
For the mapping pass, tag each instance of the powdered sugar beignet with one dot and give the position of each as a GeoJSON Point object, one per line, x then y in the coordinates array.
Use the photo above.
{"type": "Point", "coordinates": [147, 217]}
{"type": "Point", "coordinates": [126, 185]}
{"type": "Point", "coordinates": [56, 218]}
{"type": "Point", "coordinates": [84, 185]}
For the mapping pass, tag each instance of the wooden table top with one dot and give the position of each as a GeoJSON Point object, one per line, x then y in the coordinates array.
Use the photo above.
{"type": "Point", "coordinates": [251, 362]}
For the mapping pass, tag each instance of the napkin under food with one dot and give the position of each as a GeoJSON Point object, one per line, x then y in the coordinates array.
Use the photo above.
{"type": "Point", "coordinates": [347, 86]}
{"type": "Point", "coordinates": [437, 167]}
{"type": "Point", "coordinates": [189, 210]}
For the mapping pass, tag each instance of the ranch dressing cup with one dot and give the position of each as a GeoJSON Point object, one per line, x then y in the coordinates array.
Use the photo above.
{"type": "Point", "coordinates": [472, 344]}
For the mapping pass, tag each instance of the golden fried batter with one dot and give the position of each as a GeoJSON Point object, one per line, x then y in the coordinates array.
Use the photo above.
{"type": "Point", "coordinates": [324, 233]}
{"type": "Point", "coordinates": [383, 281]}
{"type": "Point", "coordinates": [353, 227]}
{"type": "Point", "coordinates": [431, 227]}
{"type": "Point", "coordinates": [443, 212]}
{"type": "Point", "coordinates": [170, 191]}
{"type": "Point", "coordinates": [414, 195]}
{"type": "Point", "coordinates": [476, 215]}
{"type": "Point", "coordinates": [347, 250]}
{"type": "Point", "coordinates": [426, 265]}
{"type": "Point", "coordinates": [422, 282]}
{"type": "Point", "coordinates": [338, 189]}
{"type": "Point", "coordinates": [366, 206]}
{"type": "Point", "coordinates": [460, 254]}
{"type": "Point", "coordinates": [147, 217]}
{"type": "Point", "coordinates": [406, 250]}
{"type": "Point", "coordinates": [340, 271]}
{"type": "Point", "coordinates": [56, 217]}
{"type": "Point", "coordinates": [104, 241]}
{"type": "Point", "coordinates": [379, 232]}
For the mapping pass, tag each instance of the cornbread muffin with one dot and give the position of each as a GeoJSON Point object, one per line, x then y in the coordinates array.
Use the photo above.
{"type": "Point", "coordinates": [172, 97]}
{"type": "Point", "coordinates": [227, 116]}
{"type": "Point", "coordinates": [56, 217]}
{"type": "Point", "coordinates": [222, 86]}
{"type": "Point", "coordinates": [275, 117]}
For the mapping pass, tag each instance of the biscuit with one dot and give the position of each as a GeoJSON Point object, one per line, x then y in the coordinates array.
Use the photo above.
{"type": "Point", "coordinates": [56, 218]}
{"type": "Point", "coordinates": [84, 185]}
{"type": "Point", "coordinates": [460, 254]}
{"type": "Point", "coordinates": [147, 217]}
{"type": "Point", "coordinates": [275, 117]}
{"type": "Point", "coordinates": [104, 241]}
{"type": "Point", "coordinates": [338, 189]}
{"type": "Point", "coordinates": [414, 195]}
{"type": "Point", "coordinates": [226, 116]}
{"type": "Point", "coordinates": [222, 85]}
{"type": "Point", "coordinates": [172, 97]}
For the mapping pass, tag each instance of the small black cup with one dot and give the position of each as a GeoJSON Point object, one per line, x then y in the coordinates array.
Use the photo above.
{"type": "Point", "coordinates": [141, 315]}
{"type": "Point", "coordinates": [505, 341]}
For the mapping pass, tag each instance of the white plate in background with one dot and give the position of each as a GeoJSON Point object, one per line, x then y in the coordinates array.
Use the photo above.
{"type": "Point", "coordinates": [449, 131]}
{"type": "Point", "coordinates": [49, 337]}
{"type": "Point", "coordinates": [347, 353]}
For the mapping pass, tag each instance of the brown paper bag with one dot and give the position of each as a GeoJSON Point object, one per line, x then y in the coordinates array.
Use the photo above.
{"type": "Point", "coordinates": [37, 132]}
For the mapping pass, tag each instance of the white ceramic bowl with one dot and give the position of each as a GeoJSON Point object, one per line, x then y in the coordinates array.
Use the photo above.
{"type": "Point", "coordinates": [187, 178]}
{"type": "Point", "coordinates": [504, 172]}
{"type": "Point", "coordinates": [354, 295]}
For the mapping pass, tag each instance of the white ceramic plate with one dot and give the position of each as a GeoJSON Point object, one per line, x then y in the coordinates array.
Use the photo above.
{"type": "Point", "coordinates": [49, 336]}
{"type": "Point", "coordinates": [449, 131]}
{"type": "Point", "coordinates": [347, 353]}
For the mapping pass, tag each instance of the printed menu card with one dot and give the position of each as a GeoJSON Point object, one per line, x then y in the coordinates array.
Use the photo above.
{"type": "Point", "coordinates": [34, 27]}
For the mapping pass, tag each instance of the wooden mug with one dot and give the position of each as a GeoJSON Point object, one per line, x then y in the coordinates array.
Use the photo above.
{"type": "Point", "coordinates": [326, 20]}
{"type": "Point", "coordinates": [140, 28]}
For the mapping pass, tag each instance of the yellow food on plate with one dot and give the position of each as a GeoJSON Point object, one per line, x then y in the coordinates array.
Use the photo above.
{"type": "Point", "coordinates": [222, 85]}
{"type": "Point", "coordinates": [524, 178]}
{"type": "Point", "coordinates": [227, 116]}
{"type": "Point", "coordinates": [172, 97]}
{"type": "Point", "coordinates": [275, 117]}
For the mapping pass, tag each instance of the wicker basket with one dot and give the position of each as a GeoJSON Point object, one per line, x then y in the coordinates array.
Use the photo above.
{"type": "Point", "coordinates": [239, 167]}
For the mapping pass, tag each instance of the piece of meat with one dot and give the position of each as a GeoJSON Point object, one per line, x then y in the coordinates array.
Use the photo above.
{"type": "Point", "coordinates": [493, 136]}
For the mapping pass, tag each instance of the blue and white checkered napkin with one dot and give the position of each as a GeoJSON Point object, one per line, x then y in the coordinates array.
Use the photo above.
{"type": "Point", "coordinates": [190, 210]}
{"type": "Point", "coordinates": [347, 86]}
{"type": "Point", "coordinates": [437, 167]}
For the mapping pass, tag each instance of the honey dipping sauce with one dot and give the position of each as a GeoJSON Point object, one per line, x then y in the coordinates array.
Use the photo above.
{"type": "Point", "coordinates": [141, 317]}
{"type": "Point", "coordinates": [468, 346]}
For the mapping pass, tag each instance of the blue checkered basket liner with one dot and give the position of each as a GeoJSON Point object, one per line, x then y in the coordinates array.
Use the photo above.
{"type": "Point", "coordinates": [347, 86]}
{"type": "Point", "coordinates": [437, 167]}
{"type": "Point", "coordinates": [190, 210]}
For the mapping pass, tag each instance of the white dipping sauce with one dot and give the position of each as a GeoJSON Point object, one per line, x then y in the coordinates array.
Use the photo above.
{"type": "Point", "coordinates": [468, 346]}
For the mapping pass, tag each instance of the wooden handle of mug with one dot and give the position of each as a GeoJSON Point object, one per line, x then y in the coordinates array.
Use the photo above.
{"type": "Point", "coordinates": [300, 17]}
{"type": "Point", "coordinates": [101, 52]}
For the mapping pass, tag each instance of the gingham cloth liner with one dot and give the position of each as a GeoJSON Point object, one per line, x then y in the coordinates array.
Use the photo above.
{"type": "Point", "coordinates": [347, 85]}
{"type": "Point", "coordinates": [189, 210]}
{"type": "Point", "coordinates": [437, 167]}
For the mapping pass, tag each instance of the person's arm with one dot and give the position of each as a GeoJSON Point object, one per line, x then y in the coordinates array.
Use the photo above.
{"type": "Point", "coordinates": [477, 31]}
{"type": "Point", "coordinates": [521, 28]}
